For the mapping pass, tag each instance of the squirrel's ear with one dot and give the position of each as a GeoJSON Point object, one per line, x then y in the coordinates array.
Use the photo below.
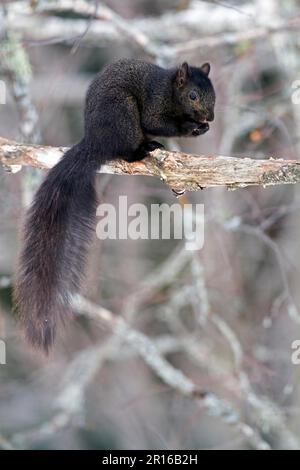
{"type": "Point", "coordinates": [182, 75]}
{"type": "Point", "coordinates": [205, 68]}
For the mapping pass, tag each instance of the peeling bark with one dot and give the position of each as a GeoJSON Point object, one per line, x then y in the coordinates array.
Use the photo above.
{"type": "Point", "coordinates": [180, 171]}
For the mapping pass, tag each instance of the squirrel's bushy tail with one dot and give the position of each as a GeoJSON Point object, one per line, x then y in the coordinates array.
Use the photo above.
{"type": "Point", "coordinates": [57, 231]}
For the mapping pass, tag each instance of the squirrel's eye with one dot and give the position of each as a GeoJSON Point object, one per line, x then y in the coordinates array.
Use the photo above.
{"type": "Point", "coordinates": [193, 95]}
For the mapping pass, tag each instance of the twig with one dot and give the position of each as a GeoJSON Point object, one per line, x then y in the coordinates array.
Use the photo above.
{"type": "Point", "coordinates": [257, 232]}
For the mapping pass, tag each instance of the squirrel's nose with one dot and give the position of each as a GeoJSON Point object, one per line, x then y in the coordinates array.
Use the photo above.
{"type": "Point", "coordinates": [210, 116]}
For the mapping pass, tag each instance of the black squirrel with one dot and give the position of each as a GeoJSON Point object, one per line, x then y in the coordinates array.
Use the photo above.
{"type": "Point", "coordinates": [126, 102]}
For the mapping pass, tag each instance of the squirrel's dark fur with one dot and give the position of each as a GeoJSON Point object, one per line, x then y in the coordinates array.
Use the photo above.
{"type": "Point", "coordinates": [126, 102]}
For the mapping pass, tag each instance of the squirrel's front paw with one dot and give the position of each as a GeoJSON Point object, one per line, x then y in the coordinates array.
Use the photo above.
{"type": "Point", "coordinates": [188, 128]}
{"type": "Point", "coordinates": [151, 145]}
{"type": "Point", "coordinates": [201, 129]}
{"type": "Point", "coordinates": [192, 128]}
{"type": "Point", "coordinates": [143, 150]}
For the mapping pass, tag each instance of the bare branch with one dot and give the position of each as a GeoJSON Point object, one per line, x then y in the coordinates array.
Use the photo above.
{"type": "Point", "coordinates": [170, 375]}
{"type": "Point", "coordinates": [156, 36]}
{"type": "Point", "coordinates": [232, 38]}
{"type": "Point", "coordinates": [178, 170]}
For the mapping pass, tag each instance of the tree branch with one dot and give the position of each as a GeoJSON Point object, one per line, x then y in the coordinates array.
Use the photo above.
{"type": "Point", "coordinates": [156, 35]}
{"type": "Point", "coordinates": [180, 171]}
